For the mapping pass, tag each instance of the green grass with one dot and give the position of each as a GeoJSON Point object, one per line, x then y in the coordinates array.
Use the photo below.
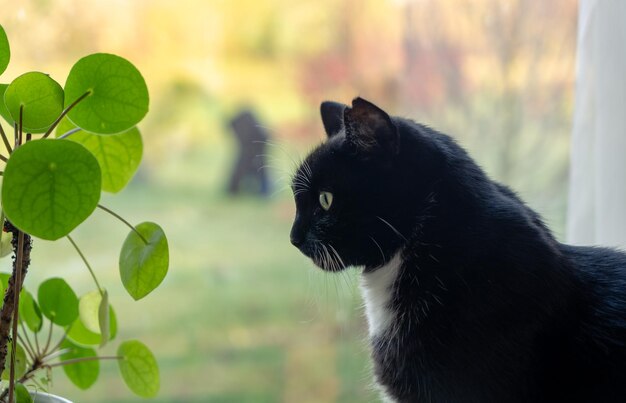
{"type": "Point", "coordinates": [242, 316]}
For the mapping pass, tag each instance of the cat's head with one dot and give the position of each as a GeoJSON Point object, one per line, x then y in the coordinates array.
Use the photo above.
{"type": "Point", "coordinates": [354, 207]}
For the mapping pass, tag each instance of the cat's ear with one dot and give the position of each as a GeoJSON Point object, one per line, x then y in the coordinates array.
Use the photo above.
{"type": "Point", "coordinates": [369, 129]}
{"type": "Point", "coordinates": [332, 116]}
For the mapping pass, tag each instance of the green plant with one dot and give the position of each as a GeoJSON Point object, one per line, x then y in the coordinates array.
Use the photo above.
{"type": "Point", "coordinates": [50, 186]}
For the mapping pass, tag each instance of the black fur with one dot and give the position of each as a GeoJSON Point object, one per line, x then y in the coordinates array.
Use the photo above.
{"type": "Point", "coordinates": [489, 307]}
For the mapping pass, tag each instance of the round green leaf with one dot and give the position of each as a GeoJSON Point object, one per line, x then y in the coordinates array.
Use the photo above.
{"type": "Point", "coordinates": [84, 373]}
{"type": "Point", "coordinates": [118, 154]}
{"type": "Point", "coordinates": [22, 395]}
{"type": "Point", "coordinates": [5, 50]}
{"type": "Point", "coordinates": [50, 187]}
{"type": "Point", "coordinates": [29, 311]}
{"type": "Point", "coordinates": [20, 362]}
{"type": "Point", "coordinates": [88, 310]}
{"type": "Point", "coordinates": [144, 266]}
{"type": "Point", "coordinates": [4, 112]}
{"type": "Point", "coordinates": [41, 98]}
{"type": "Point", "coordinates": [82, 336]}
{"type": "Point", "coordinates": [139, 368]}
{"type": "Point", "coordinates": [118, 95]}
{"type": "Point", "coordinates": [58, 301]}
{"type": "Point", "coordinates": [5, 243]}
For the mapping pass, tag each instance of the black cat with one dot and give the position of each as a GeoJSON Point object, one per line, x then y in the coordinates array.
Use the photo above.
{"type": "Point", "coordinates": [468, 296]}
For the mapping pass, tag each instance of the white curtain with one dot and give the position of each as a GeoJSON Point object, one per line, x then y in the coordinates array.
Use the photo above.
{"type": "Point", "coordinates": [597, 194]}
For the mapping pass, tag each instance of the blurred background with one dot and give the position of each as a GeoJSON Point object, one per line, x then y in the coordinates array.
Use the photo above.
{"type": "Point", "coordinates": [242, 316]}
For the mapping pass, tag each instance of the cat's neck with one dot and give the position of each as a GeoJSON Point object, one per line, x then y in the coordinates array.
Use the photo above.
{"type": "Point", "coordinates": [377, 289]}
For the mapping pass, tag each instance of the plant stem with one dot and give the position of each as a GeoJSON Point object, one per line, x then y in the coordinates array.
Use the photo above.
{"type": "Point", "coordinates": [17, 285]}
{"type": "Point", "coordinates": [38, 385]}
{"type": "Point", "coordinates": [55, 348]}
{"type": "Point", "coordinates": [70, 132]}
{"type": "Point", "coordinates": [65, 112]}
{"type": "Point", "coordinates": [15, 135]}
{"type": "Point", "coordinates": [31, 355]}
{"type": "Point", "coordinates": [83, 359]}
{"type": "Point", "coordinates": [38, 349]}
{"type": "Point", "coordinates": [21, 127]}
{"type": "Point", "coordinates": [86, 264]}
{"type": "Point", "coordinates": [21, 261]}
{"type": "Point", "coordinates": [28, 345]}
{"type": "Point", "coordinates": [34, 367]}
{"type": "Point", "coordinates": [5, 140]}
{"type": "Point", "coordinates": [45, 349]}
{"type": "Point", "coordinates": [124, 221]}
{"type": "Point", "coordinates": [54, 353]}
{"type": "Point", "coordinates": [39, 364]}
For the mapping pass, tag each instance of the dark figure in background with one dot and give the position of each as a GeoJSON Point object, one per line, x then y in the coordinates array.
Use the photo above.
{"type": "Point", "coordinates": [249, 169]}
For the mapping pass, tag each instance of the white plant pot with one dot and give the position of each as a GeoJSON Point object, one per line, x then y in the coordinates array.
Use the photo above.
{"type": "Point", "coordinates": [42, 397]}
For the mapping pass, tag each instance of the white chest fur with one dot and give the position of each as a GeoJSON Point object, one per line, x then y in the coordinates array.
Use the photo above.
{"type": "Point", "coordinates": [377, 288]}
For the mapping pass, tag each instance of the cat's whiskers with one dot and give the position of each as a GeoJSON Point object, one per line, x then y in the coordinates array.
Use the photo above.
{"type": "Point", "coordinates": [329, 261]}
{"type": "Point", "coordinates": [322, 255]}
{"type": "Point", "coordinates": [398, 233]}
{"type": "Point", "coordinates": [326, 264]}
{"type": "Point", "coordinates": [341, 266]}
{"type": "Point", "coordinates": [332, 265]}
{"type": "Point", "coordinates": [298, 187]}
{"type": "Point", "coordinates": [274, 162]}
{"type": "Point", "coordinates": [316, 253]}
{"type": "Point", "coordinates": [297, 184]}
{"type": "Point", "coordinates": [279, 190]}
{"type": "Point", "coordinates": [298, 179]}
{"type": "Point", "coordinates": [281, 148]}
{"type": "Point", "coordinates": [307, 168]}
{"type": "Point", "coordinates": [318, 259]}
{"type": "Point", "coordinates": [305, 171]}
{"type": "Point", "coordinates": [380, 249]}
{"type": "Point", "coordinates": [339, 259]}
{"type": "Point", "coordinates": [300, 172]}
{"type": "Point", "coordinates": [285, 180]}
{"type": "Point", "coordinates": [301, 180]}
{"type": "Point", "coordinates": [298, 191]}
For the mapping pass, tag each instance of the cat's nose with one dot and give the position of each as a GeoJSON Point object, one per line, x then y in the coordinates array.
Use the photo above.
{"type": "Point", "coordinates": [297, 236]}
{"type": "Point", "coordinates": [296, 240]}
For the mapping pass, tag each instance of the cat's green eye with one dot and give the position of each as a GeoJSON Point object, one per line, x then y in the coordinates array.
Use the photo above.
{"type": "Point", "coordinates": [326, 199]}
